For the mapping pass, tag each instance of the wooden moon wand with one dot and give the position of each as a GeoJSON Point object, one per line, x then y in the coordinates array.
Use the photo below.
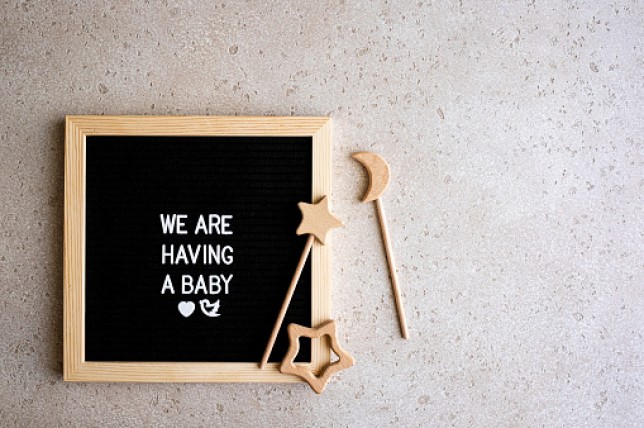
{"type": "Point", "coordinates": [317, 221]}
{"type": "Point", "coordinates": [378, 180]}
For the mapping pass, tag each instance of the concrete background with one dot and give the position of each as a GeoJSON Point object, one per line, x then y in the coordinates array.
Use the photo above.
{"type": "Point", "coordinates": [514, 133]}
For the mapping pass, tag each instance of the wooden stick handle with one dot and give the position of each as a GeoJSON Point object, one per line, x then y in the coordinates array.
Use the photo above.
{"type": "Point", "coordinates": [287, 300]}
{"type": "Point", "coordinates": [392, 268]}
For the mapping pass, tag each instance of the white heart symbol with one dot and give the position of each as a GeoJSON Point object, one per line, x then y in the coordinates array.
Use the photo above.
{"type": "Point", "coordinates": [186, 308]}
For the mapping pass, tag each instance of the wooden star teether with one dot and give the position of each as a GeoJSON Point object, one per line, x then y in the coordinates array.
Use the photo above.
{"type": "Point", "coordinates": [317, 221]}
{"type": "Point", "coordinates": [318, 383]}
{"type": "Point", "coordinates": [378, 180]}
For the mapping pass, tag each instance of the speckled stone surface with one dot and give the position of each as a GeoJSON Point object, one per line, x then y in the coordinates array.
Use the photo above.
{"type": "Point", "coordinates": [514, 133]}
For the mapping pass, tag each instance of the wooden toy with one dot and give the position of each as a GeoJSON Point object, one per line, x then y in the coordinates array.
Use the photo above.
{"type": "Point", "coordinates": [317, 221]}
{"type": "Point", "coordinates": [318, 383]}
{"type": "Point", "coordinates": [378, 180]}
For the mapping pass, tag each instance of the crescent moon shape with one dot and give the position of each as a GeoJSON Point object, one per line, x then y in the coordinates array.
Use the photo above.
{"type": "Point", "coordinates": [378, 174]}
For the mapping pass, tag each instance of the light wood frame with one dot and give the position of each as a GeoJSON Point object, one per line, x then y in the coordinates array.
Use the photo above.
{"type": "Point", "coordinates": [77, 129]}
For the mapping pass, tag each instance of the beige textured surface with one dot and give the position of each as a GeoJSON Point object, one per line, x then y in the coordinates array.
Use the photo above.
{"type": "Point", "coordinates": [514, 134]}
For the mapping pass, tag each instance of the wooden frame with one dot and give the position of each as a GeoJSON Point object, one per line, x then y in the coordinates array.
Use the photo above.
{"type": "Point", "coordinates": [77, 129]}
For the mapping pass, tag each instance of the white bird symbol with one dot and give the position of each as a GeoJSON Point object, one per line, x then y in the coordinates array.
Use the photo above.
{"type": "Point", "coordinates": [209, 309]}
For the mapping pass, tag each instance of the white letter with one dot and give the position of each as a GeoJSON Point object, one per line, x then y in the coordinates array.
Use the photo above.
{"type": "Point", "coordinates": [214, 282]}
{"type": "Point", "coordinates": [225, 225]}
{"type": "Point", "coordinates": [227, 254]}
{"type": "Point", "coordinates": [186, 284]}
{"type": "Point", "coordinates": [165, 254]}
{"type": "Point", "coordinates": [201, 225]}
{"type": "Point", "coordinates": [213, 220]}
{"type": "Point", "coordinates": [226, 282]}
{"type": "Point", "coordinates": [201, 285]}
{"type": "Point", "coordinates": [167, 284]}
{"type": "Point", "coordinates": [194, 255]}
{"type": "Point", "coordinates": [167, 223]}
{"type": "Point", "coordinates": [181, 256]}
{"type": "Point", "coordinates": [181, 224]}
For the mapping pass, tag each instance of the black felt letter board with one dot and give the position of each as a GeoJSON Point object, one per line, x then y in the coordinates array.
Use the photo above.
{"type": "Point", "coordinates": [130, 182]}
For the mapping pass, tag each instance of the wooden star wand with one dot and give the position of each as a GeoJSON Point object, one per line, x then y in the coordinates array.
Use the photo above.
{"type": "Point", "coordinates": [317, 221]}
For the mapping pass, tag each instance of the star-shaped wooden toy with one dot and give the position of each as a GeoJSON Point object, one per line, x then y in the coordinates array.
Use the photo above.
{"type": "Point", "coordinates": [318, 383]}
{"type": "Point", "coordinates": [317, 219]}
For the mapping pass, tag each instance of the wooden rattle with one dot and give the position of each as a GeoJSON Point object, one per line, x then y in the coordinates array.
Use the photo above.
{"type": "Point", "coordinates": [318, 383]}
{"type": "Point", "coordinates": [378, 180]}
{"type": "Point", "coordinates": [317, 221]}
